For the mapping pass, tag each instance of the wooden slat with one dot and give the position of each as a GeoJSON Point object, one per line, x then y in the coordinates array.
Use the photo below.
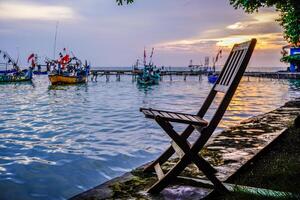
{"type": "Point", "coordinates": [147, 112]}
{"type": "Point", "coordinates": [175, 116]}
{"type": "Point", "coordinates": [239, 65]}
{"type": "Point", "coordinates": [150, 111]}
{"type": "Point", "coordinates": [199, 119]}
{"type": "Point", "coordinates": [159, 172]}
{"type": "Point", "coordinates": [156, 113]}
{"type": "Point", "coordinates": [221, 88]}
{"type": "Point", "coordinates": [232, 67]}
{"type": "Point", "coordinates": [235, 66]}
{"type": "Point", "coordinates": [192, 118]}
{"type": "Point", "coordinates": [177, 149]}
{"type": "Point", "coordinates": [242, 46]}
{"type": "Point", "coordinates": [165, 114]}
{"type": "Point", "coordinates": [226, 68]}
{"type": "Point", "coordinates": [183, 117]}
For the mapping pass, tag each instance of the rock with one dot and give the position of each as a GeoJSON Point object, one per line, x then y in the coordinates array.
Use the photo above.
{"type": "Point", "coordinates": [295, 103]}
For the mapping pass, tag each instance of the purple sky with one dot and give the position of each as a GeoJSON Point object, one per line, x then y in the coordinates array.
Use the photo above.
{"type": "Point", "coordinates": [109, 35]}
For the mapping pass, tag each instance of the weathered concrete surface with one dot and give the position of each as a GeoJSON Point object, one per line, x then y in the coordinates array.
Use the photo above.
{"type": "Point", "coordinates": [227, 152]}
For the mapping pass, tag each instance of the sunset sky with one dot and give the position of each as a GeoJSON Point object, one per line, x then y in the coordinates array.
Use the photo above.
{"type": "Point", "coordinates": [110, 35]}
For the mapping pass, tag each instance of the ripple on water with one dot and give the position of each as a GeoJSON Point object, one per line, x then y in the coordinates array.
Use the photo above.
{"type": "Point", "coordinates": [58, 141]}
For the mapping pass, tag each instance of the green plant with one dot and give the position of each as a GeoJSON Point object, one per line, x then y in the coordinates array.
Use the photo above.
{"type": "Point", "coordinates": [293, 59]}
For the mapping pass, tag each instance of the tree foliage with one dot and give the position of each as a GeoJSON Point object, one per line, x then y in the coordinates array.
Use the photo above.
{"type": "Point", "coordinates": [293, 59]}
{"type": "Point", "coordinates": [289, 15]}
{"type": "Point", "coordinates": [120, 2]}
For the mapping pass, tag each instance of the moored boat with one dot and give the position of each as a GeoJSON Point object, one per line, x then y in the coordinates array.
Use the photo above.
{"type": "Point", "coordinates": [16, 77]}
{"type": "Point", "coordinates": [212, 78]}
{"type": "Point", "coordinates": [59, 79]}
{"type": "Point", "coordinates": [15, 74]}
{"type": "Point", "coordinates": [149, 75]}
{"type": "Point", "coordinates": [68, 70]}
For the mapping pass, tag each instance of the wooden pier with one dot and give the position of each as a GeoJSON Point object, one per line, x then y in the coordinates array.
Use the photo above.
{"type": "Point", "coordinates": [274, 75]}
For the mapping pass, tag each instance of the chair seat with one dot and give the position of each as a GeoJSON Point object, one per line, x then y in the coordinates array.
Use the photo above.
{"type": "Point", "coordinates": [174, 116]}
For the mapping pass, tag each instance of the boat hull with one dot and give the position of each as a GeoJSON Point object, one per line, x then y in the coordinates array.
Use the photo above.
{"type": "Point", "coordinates": [13, 79]}
{"type": "Point", "coordinates": [148, 80]}
{"type": "Point", "coordinates": [40, 73]}
{"type": "Point", "coordinates": [65, 80]}
{"type": "Point", "coordinates": [212, 78]}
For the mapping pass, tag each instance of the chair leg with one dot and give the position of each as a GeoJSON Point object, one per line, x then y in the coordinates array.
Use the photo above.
{"type": "Point", "coordinates": [206, 168]}
{"type": "Point", "coordinates": [161, 159]}
{"type": "Point", "coordinates": [170, 176]}
{"type": "Point", "coordinates": [169, 152]}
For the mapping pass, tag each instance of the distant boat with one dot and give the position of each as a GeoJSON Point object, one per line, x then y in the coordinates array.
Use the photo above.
{"type": "Point", "coordinates": [14, 74]}
{"type": "Point", "coordinates": [25, 75]}
{"type": "Point", "coordinates": [212, 78]}
{"type": "Point", "coordinates": [148, 76]}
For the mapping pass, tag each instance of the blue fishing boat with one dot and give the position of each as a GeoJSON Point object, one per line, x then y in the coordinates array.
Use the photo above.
{"type": "Point", "coordinates": [20, 76]}
{"type": "Point", "coordinates": [212, 78]}
{"type": "Point", "coordinates": [149, 76]}
{"type": "Point", "coordinates": [15, 74]}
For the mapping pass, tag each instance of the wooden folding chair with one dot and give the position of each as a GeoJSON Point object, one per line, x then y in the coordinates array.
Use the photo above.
{"type": "Point", "coordinates": [227, 83]}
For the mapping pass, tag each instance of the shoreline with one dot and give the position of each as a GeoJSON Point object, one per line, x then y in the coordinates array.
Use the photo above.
{"type": "Point", "coordinates": [230, 152]}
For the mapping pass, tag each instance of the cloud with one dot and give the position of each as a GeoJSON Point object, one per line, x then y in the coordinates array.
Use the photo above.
{"type": "Point", "coordinates": [256, 19]}
{"type": "Point", "coordinates": [19, 11]}
{"type": "Point", "coordinates": [265, 42]}
{"type": "Point", "coordinates": [260, 25]}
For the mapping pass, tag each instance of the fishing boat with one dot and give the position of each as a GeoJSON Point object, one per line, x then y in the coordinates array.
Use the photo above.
{"type": "Point", "coordinates": [149, 75]}
{"type": "Point", "coordinates": [212, 76]}
{"type": "Point", "coordinates": [15, 74]}
{"type": "Point", "coordinates": [33, 58]}
{"type": "Point", "coordinates": [68, 70]}
{"type": "Point", "coordinates": [59, 79]}
{"type": "Point", "coordinates": [21, 76]}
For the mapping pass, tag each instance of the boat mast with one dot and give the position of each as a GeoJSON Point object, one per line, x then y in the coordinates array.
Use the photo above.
{"type": "Point", "coordinates": [150, 62]}
{"type": "Point", "coordinates": [55, 37]}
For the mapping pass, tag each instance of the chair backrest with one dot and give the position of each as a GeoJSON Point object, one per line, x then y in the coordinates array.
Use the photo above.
{"type": "Point", "coordinates": [228, 80]}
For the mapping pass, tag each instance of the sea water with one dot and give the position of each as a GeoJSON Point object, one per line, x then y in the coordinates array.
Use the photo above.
{"type": "Point", "coordinates": [56, 142]}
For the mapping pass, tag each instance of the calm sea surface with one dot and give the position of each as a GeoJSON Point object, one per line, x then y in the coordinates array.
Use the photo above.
{"type": "Point", "coordinates": [58, 142]}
